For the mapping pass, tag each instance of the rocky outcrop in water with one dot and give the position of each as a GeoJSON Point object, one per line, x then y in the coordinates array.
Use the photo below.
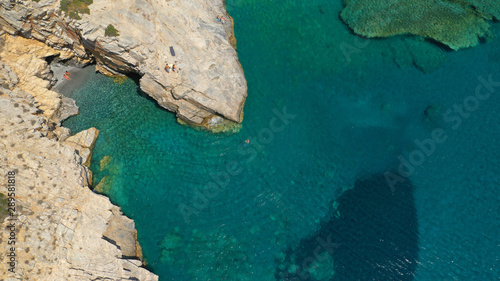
{"type": "Point", "coordinates": [60, 228]}
{"type": "Point", "coordinates": [455, 23]}
{"type": "Point", "coordinates": [210, 83]}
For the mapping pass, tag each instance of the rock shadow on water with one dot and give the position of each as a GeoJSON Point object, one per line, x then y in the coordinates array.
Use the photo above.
{"type": "Point", "coordinates": [371, 235]}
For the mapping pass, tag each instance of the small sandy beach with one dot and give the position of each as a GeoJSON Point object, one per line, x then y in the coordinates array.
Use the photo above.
{"type": "Point", "coordinates": [78, 77]}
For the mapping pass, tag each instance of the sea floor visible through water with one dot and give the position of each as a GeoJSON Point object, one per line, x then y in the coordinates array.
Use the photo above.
{"type": "Point", "coordinates": [309, 198]}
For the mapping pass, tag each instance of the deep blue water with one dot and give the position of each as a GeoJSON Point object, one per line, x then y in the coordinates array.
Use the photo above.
{"type": "Point", "coordinates": [328, 116]}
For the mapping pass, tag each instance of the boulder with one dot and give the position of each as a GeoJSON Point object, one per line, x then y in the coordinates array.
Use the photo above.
{"type": "Point", "coordinates": [85, 138]}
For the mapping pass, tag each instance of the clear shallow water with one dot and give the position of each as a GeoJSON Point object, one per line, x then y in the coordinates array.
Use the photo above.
{"type": "Point", "coordinates": [353, 115]}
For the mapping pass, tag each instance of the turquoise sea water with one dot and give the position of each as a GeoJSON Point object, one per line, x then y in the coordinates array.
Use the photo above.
{"type": "Point", "coordinates": [328, 115]}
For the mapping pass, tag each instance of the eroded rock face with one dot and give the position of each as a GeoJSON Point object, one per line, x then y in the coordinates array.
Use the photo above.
{"type": "Point", "coordinates": [455, 23]}
{"type": "Point", "coordinates": [60, 223]}
{"type": "Point", "coordinates": [211, 82]}
{"type": "Point", "coordinates": [27, 58]}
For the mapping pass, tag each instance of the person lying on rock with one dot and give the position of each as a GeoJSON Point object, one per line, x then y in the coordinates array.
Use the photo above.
{"type": "Point", "coordinates": [67, 73]}
{"type": "Point", "coordinates": [221, 19]}
{"type": "Point", "coordinates": [174, 69]}
{"type": "Point", "coordinates": [167, 68]}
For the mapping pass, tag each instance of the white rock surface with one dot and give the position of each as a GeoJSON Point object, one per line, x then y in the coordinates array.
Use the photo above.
{"type": "Point", "coordinates": [61, 223]}
{"type": "Point", "coordinates": [211, 82]}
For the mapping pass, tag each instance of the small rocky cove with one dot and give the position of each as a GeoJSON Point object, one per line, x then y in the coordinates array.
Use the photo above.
{"type": "Point", "coordinates": [65, 231]}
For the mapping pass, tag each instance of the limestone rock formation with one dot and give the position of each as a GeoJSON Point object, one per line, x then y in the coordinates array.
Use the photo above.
{"type": "Point", "coordinates": [63, 230]}
{"type": "Point", "coordinates": [84, 142]}
{"type": "Point", "coordinates": [27, 58]}
{"type": "Point", "coordinates": [455, 23]}
{"type": "Point", "coordinates": [211, 82]}
{"type": "Point", "coordinates": [121, 232]}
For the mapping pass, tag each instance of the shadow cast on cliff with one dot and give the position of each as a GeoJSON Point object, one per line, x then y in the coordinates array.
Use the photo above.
{"type": "Point", "coordinates": [374, 236]}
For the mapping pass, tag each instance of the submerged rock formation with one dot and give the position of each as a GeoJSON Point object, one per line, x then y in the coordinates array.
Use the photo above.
{"type": "Point", "coordinates": [455, 23]}
{"type": "Point", "coordinates": [62, 230]}
{"type": "Point", "coordinates": [210, 83]}
{"type": "Point", "coordinates": [370, 234]}
{"type": "Point", "coordinates": [27, 57]}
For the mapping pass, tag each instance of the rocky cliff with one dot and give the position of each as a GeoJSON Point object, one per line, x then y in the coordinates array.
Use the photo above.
{"type": "Point", "coordinates": [210, 87]}
{"type": "Point", "coordinates": [57, 228]}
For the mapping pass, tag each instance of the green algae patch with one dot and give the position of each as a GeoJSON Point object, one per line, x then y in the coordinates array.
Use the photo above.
{"type": "Point", "coordinates": [227, 127]}
{"type": "Point", "coordinates": [104, 185]}
{"type": "Point", "coordinates": [75, 8]}
{"type": "Point", "coordinates": [111, 31]}
{"type": "Point", "coordinates": [224, 126]}
{"type": "Point", "coordinates": [120, 79]}
{"type": "Point", "coordinates": [4, 207]}
{"type": "Point", "coordinates": [108, 170]}
{"type": "Point", "coordinates": [454, 23]}
{"type": "Point", "coordinates": [104, 163]}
